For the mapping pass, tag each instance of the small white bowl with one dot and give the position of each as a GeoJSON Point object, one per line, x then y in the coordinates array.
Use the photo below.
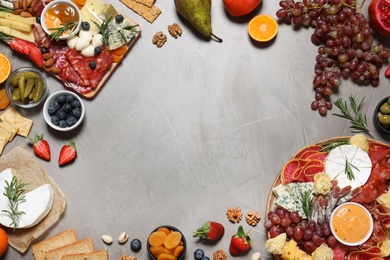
{"type": "Point", "coordinates": [68, 4]}
{"type": "Point", "coordinates": [355, 225]}
{"type": "Point", "coordinates": [52, 99]}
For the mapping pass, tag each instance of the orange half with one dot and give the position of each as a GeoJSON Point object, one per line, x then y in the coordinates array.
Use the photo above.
{"type": "Point", "coordinates": [5, 68]}
{"type": "Point", "coordinates": [263, 28]}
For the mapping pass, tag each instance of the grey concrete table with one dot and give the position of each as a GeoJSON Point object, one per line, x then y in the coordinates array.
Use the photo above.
{"type": "Point", "coordinates": [181, 133]}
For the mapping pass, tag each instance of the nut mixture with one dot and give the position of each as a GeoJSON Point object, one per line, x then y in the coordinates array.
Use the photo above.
{"type": "Point", "coordinates": [49, 62]}
{"type": "Point", "coordinates": [219, 255]}
{"type": "Point", "coordinates": [24, 8]}
{"type": "Point", "coordinates": [253, 217]}
{"type": "Point", "coordinates": [175, 30]}
{"type": "Point", "coordinates": [159, 39]}
{"type": "Point", "coordinates": [127, 257]}
{"type": "Point", "coordinates": [234, 215]}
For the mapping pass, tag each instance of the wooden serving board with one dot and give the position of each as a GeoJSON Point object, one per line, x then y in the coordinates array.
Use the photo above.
{"type": "Point", "coordinates": [271, 198]}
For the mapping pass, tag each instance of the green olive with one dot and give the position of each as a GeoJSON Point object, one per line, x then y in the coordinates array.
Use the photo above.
{"type": "Point", "coordinates": [379, 114]}
{"type": "Point", "coordinates": [384, 119]}
{"type": "Point", "coordinates": [385, 108]}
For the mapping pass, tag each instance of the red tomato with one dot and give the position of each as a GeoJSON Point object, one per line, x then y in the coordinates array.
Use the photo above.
{"type": "Point", "coordinates": [240, 7]}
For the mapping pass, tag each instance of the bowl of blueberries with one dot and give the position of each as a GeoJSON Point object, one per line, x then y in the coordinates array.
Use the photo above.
{"type": "Point", "coordinates": [63, 110]}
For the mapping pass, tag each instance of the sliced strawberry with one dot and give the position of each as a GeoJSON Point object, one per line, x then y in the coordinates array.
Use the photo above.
{"type": "Point", "coordinates": [41, 147]}
{"type": "Point", "coordinates": [211, 231]}
{"type": "Point", "coordinates": [67, 154]}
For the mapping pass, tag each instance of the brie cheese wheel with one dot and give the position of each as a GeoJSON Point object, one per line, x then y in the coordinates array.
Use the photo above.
{"type": "Point", "coordinates": [359, 163]}
{"type": "Point", "coordinates": [36, 207]}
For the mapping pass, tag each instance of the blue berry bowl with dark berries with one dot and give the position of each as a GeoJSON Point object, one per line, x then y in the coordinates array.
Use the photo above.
{"type": "Point", "coordinates": [63, 110]}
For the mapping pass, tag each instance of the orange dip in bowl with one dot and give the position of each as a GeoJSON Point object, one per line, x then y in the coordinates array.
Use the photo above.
{"type": "Point", "coordinates": [60, 14]}
{"type": "Point", "coordinates": [351, 224]}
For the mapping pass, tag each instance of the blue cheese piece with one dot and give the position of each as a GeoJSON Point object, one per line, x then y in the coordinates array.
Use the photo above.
{"type": "Point", "coordinates": [123, 29]}
{"type": "Point", "coordinates": [289, 196]}
{"type": "Point", "coordinates": [115, 39]}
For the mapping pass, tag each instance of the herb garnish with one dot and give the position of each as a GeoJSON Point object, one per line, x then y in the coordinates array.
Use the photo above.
{"type": "Point", "coordinates": [65, 27]}
{"type": "Point", "coordinates": [358, 121]}
{"type": "Point", "coordinates": [348, 170]}
{"type": "Point", "coordinates": [132, 30]}
{"type": "Point", "coordinates": [15, 193]}
{"type": "Point", "coordinates": [5, 9]}
{"type": "Point", "coordinates": [333, 145]}
{"type": "Point", "coordinates": [104, 29]}
{"type": "Point", "coordinates": [307, 203]}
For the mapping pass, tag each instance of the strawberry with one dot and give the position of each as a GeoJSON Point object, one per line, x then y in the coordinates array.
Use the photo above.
{"type": "Point", "coordinates": [67, 154]}
{"type": "Point", "coordinates": [387, 72]}
{"type": "Point", "coordinates": [240, 243]}
{"type": "Point", "coordinates": [210, 230]}
{"type": "Point", "coordinates": [41, 147]}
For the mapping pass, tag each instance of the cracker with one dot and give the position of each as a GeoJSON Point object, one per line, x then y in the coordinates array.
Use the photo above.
{"type": "Point", "coordinates": [148, 13]}
{"type": "Point", "coordinates": [13, 117]}
{"type": "Point", "coordinates": [4, 133]}
{"type": "Point", "coordinates": [3, 142]}
{"type": "Point", "coordinates": [148, 3]}
{"type": "Point", "coordinates": [10, 127]}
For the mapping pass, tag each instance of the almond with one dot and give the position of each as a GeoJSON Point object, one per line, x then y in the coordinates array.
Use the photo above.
{"type": "Point", "coordinates": [17, 11]}
{"type": "Point", "coordinates": [55, 70]}
{"type": "Point", "coordinates": [47, 55]}
{"type": "Point", "coordinates": [25, 14]}
{"type": "Point", "coordinates": [49, 62]}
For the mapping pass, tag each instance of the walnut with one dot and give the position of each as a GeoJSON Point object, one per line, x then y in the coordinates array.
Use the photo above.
{"type": "Point", "coordinates": [219, 255]}
{"type": "Point", "coordinates": [126, 257]}
{"type": "Point", "coordinates": [159, 39]}
{"type": "Point", "coordinates": [175, 30]}
{"type": "Point", "coordinates": [253, 217]}
{"type": "Point", "coordinates": [234, 215]}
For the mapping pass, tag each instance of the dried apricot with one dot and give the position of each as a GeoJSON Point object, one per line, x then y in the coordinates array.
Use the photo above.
{"type": "Point", "coordinates": [157, 238]}
{"type": "Point", "coordinates": [172, 240]}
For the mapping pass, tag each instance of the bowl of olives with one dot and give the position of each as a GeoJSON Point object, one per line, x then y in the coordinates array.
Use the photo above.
{"type": "Point", "coordinates": [382, 116]}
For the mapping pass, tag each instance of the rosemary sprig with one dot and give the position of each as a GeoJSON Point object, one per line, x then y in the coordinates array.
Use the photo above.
{"type": "Point", "coordinates": [133, 31]}
{"type": "Point", "coordinates": [348, 170]}
{"type": "Point", "coordinates": [358, 121]}
{"type": "Point", "coordinates": [15, 193]}
{"type": "Point", "coordinates": [307, 203]}
{"type": "Point", "coordinates": [65, 27]}
{"type": "Point", "coordinates": [327, 148]}
{"type": "Point", "coordinates": [104, 29]}
{"type": "Point", "coordinates": [5, 9]}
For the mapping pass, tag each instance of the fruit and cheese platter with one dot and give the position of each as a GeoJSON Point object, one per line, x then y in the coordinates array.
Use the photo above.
{"type": "Point", "coordinates": [313, 184]}
{"type": "Point", "coordinates": [81, 45]}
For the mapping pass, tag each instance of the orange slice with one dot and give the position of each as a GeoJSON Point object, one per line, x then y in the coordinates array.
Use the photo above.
{"type": "Point", "coordinates": [5, 68]}
{"type": "Point", "coordinates": [263, 28]}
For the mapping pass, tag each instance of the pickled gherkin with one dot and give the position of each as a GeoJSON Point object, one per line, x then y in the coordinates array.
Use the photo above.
{"type": "Point", "coordinates": [39, 89]}
{"type": "Point", "coordinates": [27, 87]}
{"type": "Point", "coordinates": [15, 79]}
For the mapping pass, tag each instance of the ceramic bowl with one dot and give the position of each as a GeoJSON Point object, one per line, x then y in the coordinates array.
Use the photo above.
{"type": "Point", "coordinates": [54, 104]}
{"type": "Point", "coordinates": [11, 85]}
{"type": "Point", "coordinates": [65, 5]}
{"type": "Point", "coordinates": [351, 224]}
{"type": "Point", "coordinates": [171, 229]}
{"type": "Point", "coordinates": [381, 127]}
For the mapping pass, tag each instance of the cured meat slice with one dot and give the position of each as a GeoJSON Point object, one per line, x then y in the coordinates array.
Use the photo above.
{"type": "Point", "coordinates": [103, 62]}
{"type": "Point", "coordinates": [308, 148]}
{"type": "Point", "coordinates": [76, 60]}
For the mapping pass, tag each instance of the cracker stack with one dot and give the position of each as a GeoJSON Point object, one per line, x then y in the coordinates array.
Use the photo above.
{"type": "Point", "coordinates": [145, 8]}
{"type": "Point", "coordinates": [66, 246]}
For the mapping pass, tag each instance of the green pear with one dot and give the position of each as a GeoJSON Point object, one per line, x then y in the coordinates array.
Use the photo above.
{"type": "Point", "coordinates": [198, 13]}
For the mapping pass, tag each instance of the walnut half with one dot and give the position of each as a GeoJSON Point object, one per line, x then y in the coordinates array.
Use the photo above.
{"type": "Point", "coordinates": [159, 39]}
{"type": "Point", "coordinates": [234, 215]}
{"type": "Point", "coordinates": [219, 255]}
{"type": "Point", "coordinates": [175, 30]}
{"type": "Point", "coordinates": [253, 217]}
{"type": "Point", "coordinates": [126, 257]}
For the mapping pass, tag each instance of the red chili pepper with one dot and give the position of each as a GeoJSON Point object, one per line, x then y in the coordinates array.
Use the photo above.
{"type": "Point", "coordinates": [387, 72]}
{"type": "Point", "coordinates": [27, 48]}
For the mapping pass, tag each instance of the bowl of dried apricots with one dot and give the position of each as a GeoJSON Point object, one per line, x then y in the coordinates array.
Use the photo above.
{"type": "Point", "coordinates": [167, 242]}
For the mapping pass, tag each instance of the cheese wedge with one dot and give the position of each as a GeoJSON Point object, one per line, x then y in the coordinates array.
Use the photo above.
{"type": "Point", "coordinates": [28, 36]}
{"type": "Point", "coordinates": [36, 207]}
{"type": "Point", "coordinates": [359, 164]}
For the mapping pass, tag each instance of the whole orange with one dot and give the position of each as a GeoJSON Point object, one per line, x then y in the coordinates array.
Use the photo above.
{"type": "Point", "coordinates": [240, 7]}
{"type": "Point", "coordinates": [3, 241]}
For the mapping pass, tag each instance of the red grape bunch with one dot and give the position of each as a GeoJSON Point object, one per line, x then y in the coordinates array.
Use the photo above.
{"type": "Point", "coordinates": [307, 234]}
{"type": "Point", "coordinates": [346, 45]}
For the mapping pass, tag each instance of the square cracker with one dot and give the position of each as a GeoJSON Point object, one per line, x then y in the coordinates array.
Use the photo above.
{"type": "Point", "coordinates": [5, 133]}
{"type": "Point", "coordinates": [149, 13]}
{"type": "Point", "coordinates": [148, 3]}
{"type": "Point", "coordinates": [3, 142]}
{"type": "Point", "coordinates": [10, 127]}
{"type": "Point", "coordinates": [14, 117]}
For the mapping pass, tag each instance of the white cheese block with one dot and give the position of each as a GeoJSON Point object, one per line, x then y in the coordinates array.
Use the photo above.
{"type": "Point", "coordinates": [36, 207]}
{"type": "Point", "coordinates": [360, 164]}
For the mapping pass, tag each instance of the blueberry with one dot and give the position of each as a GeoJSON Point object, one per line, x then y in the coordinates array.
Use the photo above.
{"type": "Point", "coordinates": [55, 120]}
{"type": "Point", "coordinates": [63, 124]}
{"type": "Point", "coordinates": [51, 110]}
{"type": "Point", "coordinates": [61, 99]}
{"type": "Point", "coordinates": [44, 50]}
{"type": "Point", "coordinates": [71, 120]}
{"type": "Point", "coordinates": [119, 18]}
{"type": "Point", "coordinates": [67, 107]}
{"type": "Point", "coordinates": [97, 50]}
{"type": "Point", "coordinates": [76, 112]}
{"type": "Point", "coordinates": [56, 105]}
{"type": "Point", "coordinates": [75, 103]}
{"type": "Point", "coordinates": [85, 26]}
{"type": "Point", "coordinates": [61, 114]}
{"type": "Point", "coordinates": [92, 65]}
{"type": "Point", "coordinates": [38, 19]}
{"type": "Point", "coordinates": [69, 98]}
{"type": "Point", "coordinates": [198, 254]}
{"type": "Point", "coordinates": [135, 245]}
{"type": "Point", "coordinates": [205, 258]}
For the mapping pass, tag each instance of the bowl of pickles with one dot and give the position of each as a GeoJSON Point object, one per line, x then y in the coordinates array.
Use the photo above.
{"type": "Point", "coordinates": [382, 116]}
{"type": "Point", "coordinates": [26, 87]}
